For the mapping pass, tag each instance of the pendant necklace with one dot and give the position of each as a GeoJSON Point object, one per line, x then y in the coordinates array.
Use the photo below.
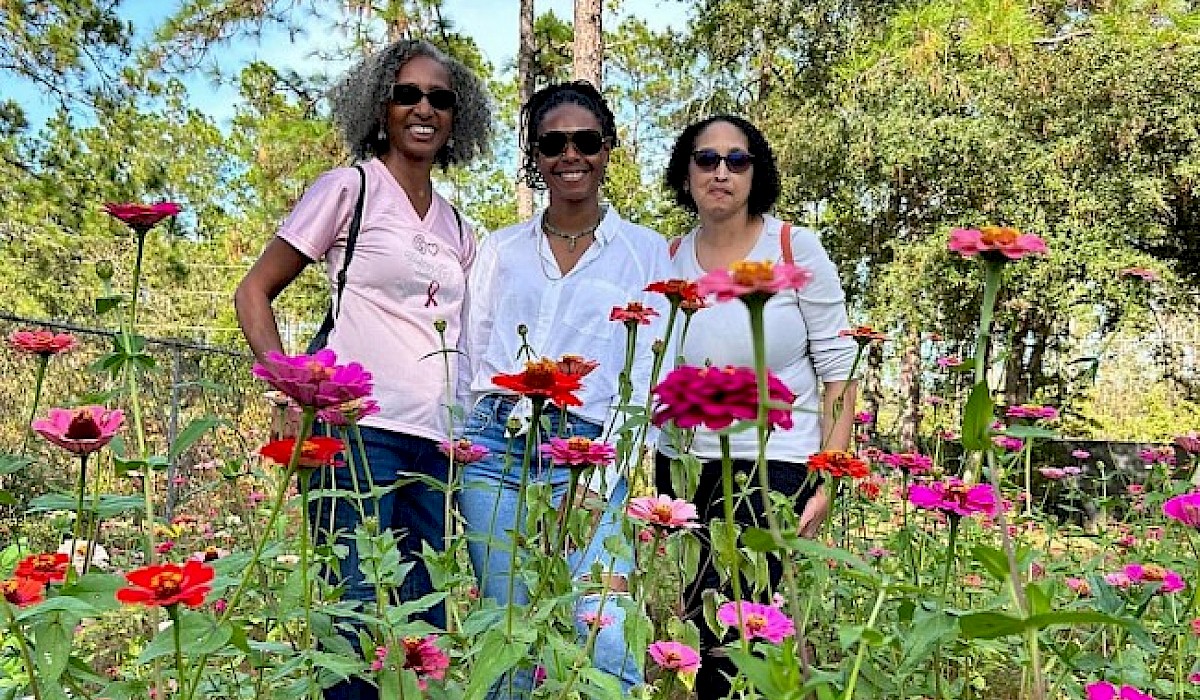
{"type": "Point", "coordinates": [570, 238]}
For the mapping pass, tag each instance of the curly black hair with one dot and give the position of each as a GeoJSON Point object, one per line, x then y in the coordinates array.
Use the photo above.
{"type": "Point", "coordinates": [360, 102]}
{"type": "Point", "coordinates": [578, 92]}
{"type": "Point", "coordinates": [764, 185]}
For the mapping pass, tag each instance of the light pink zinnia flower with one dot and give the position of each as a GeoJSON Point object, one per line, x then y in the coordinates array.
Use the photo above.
{"type": "Point", "coordinates": [1185, 508]}
{"type": "Point", "coordinates": [675, 656]}
{"type": "Point", "coordinates": [315, 380]}
{"type": "Point", "coordinates": [80, 430]}
{"type": "Point", "coordinates": [590, 619]}
{"type": "Point", "coordinates": [464, 451]}
{"type": "Point", "coordinates": [765, 621]}
{"type": "Point", "coordinates": [578, 452]}
{"type": "Point", "coordinates": [44, 343]}
{"type": "Point", "coordinates": [954, 496]}
{"type": "Point", "coordinates": [350, 412]}
{"type": "Point", "coordinates": [753, 279]}
{"type": "Point", "coordinates": [1107, 691]}
{"type": "Point", "coordinates": [716, 397]}
{"type": "Point", "coordinates": [995, 243]}
{"type": "Point", "coordinates": [663, 511]}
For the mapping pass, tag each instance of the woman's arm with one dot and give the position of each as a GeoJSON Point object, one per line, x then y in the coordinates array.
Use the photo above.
{"type": "Point", "coordinates": [274, 270]}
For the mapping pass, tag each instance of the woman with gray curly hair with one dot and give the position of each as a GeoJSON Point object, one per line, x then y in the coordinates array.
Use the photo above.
{"type": "Point", "coordinates": [401, 111]}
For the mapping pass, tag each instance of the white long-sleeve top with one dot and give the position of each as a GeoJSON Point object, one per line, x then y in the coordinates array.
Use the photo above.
{"type": "Point", "coordinates": [803, 345]}
{"type": "Point", "coordinates": [515, 280]}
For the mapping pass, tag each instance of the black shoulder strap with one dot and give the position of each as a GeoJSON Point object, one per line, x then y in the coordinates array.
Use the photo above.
{"type": "Point", "coordinates": [351, 238]}
{"type": "Point", "coordinates": [458, 220]}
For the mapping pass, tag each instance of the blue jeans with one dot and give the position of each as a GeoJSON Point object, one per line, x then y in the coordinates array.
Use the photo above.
{"type": "Point", "coordinates": [489, 502]}
{"type": "Point", "coordinates": [415, 512]}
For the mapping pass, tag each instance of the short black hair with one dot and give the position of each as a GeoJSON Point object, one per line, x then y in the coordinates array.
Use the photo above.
{"type": "Point", "coordinates": [764, 186]}
{"type": "Point", "coordinates": [578, 92]}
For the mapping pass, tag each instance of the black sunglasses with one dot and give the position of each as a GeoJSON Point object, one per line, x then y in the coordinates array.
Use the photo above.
{"type": "Point", "coordinates": [588, 142]}
{"type": "Point", "coordinates": [408, 95]}
{"type": "Point", "coordinates": [737, 161]}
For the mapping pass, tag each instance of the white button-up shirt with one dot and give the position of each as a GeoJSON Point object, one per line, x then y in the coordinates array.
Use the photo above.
{"type": "Point", "coordinates": [515, 281]}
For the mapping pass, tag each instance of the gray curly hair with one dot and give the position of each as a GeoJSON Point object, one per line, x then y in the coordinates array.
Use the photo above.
{"type": "Point", "coordinates": [360, 101]}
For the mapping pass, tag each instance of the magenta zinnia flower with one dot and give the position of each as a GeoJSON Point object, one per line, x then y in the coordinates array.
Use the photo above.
{"type": "Point", "coordinates": [1032, 412]}
{"type": "Point", "coordinates": [80, 430]}
{"type": "Point", "coordinates": [578, 452]}
{"type": "Point", "coordinates": [663, 511]}
{"type": "Point", "coordinates": [1108, 691]}
{"type": "Point", "coordinates": [760, 620]}
{"type": "Point", "coordinates": [952, 496]}
{"type": "Point", "coordinates": [423, 657]}
{"type": "Point", "coordinates": [1171, 581]}
{"type": "Point", "coordinates": [44, 343]}
{"type": "Point", "coordinates": [908, 462]}
{"type": "Point", "coordinates": [715, 398]}
{"type": "Point", "coordinates": [752, 279]}
{"type": "Point", "coordinates": [1184, 508]}
{"type": "Point", "coordinates": [464, 451]}
{"type": "Point", "coordinates": [995, 243]}
{"type": "Point", "coordinates": [142, 217]}
{"type": "Point", "coordinates": [315, 380]}
{"type": "Point", "coordinates": [675, 656]}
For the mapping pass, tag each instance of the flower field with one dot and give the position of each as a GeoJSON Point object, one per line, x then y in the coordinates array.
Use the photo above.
{"type": "Point", "coordinates": [964, 566]}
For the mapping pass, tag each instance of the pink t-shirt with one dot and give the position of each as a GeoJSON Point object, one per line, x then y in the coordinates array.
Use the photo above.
{"type": "Point", "coordinates": [406, 273]}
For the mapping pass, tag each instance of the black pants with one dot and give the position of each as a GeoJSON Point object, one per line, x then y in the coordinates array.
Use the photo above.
{"type": "Point", "coordinates": [788, 478]}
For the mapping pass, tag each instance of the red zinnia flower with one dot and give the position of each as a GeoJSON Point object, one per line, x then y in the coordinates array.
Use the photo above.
{"type": "Point", "coordinates": [45, 343]}
{"type": "Point", "coordinates": [633, 313]}
{"type": "Point", "coordinates": [715, 398]}
{"type": "Point", "coordinates": [142, 217]}
{"type": "Point", "coordinates": [679, 292]}
{"type": "Point", "coordinates": [80, 430]}
{"type": "Point", "coordinates": [863, 335]}
{"type": "Point", "coordinates": [23, 591]}
{"type": "Point", "coordinates": [837, 463]}
{"type": "Point", "coordinates": [43, 567]}
{"type": "Point", "coordinates": [542, 379]}
{"type": "Point", "coordinates": [316, 451]}
{"type": "Point", "coordinates": [168, 584]}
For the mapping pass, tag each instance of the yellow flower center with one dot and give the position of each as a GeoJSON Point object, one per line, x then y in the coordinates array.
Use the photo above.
{"type": "Point", "coordinates": [540, 374]}
{"type": "Point", "coordinates": [998, 235]}
{"type": "Point", "coordinates": [319, 371]}
{"type": "Point", "coordinates": [756, 622]}
{"type": "Point", "coordinates": [579, 443]}
{"type": "Point", "coordinates": [166, 583]}
{"type": "Point", "coordinates": [1153, 572]}
{"type": "Point", "coordinates": [662, 512]}
{"type": "Point", "coordinates": [751, 273]}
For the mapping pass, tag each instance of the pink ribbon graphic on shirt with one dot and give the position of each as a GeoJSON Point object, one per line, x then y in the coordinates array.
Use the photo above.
{"type": "Point", "coordinates": [433, 289]}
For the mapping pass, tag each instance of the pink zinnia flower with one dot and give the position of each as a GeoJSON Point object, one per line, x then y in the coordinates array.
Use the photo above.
{"type": "Point", "coordinates": [1080, 586]}
{"type": "Point", "coordinates": [1032, 412]}
{"type": "Point", "coordinates": [952, 496]}
{"type": "Point", "coordinates": [578, 452]}
{"type": "Point", "coordinates": [1006, 442]}
{"type": "Point", "coordinates": [1080, 454]}
{"type": "Point", "coordinates": [590, 618]}
{"type": "Point", "coordinates": [1052, 473]}
{"type": "Point", "coordinates": [1108, 691]}
{"type": "Point", "coordinates": [864, 417]}
{"type": "Point", "coordinates": [142, 217]}
{"type": "Point", "coordinates": [675, 656]}
{"type": "Point", "coordinates": [715, 398]}
{"type": "Point", "coordinates": [663, 511]}
{"type": "Point", "coordinates": [1171, 581]}
{"type": "Point", "coordinates": [949, 361]}
{"type": "Point", "coordinates": [908, 462]}
{"type": "Point", "coordinates": [765, 621]}
{"type": "Point", "coordinates": [1185, 508]}
{"type": "Point", "coordinates": [1143, 273]}
{"type": "Point", "coordinates": [1194, 678]}
{"type": "Point", "coordinates": [1072, 471]}
{"type": "Point", "coordinates": [995, 243]}
{"type": "Point", "coordinates": [44, 343]}
{"type": "Point", "coordinates": [315, 380]}
{"type": "Point", "coordinates": [753, 280]}
{"type": "Point", "coordinates": [80, 430]}
{"type": "Point", "coordinates": [350, 412]}
{"type": "Point", "coordinates": [422, 656]}
{"type": "Point", "coordinates": [1196, 626]}
{"type": "Point", "coordinates": [1189, 443]}
{"type": "Point", "coordinates": [1158, 455]}
{"type": "Point", "coordinates": [463, 450]}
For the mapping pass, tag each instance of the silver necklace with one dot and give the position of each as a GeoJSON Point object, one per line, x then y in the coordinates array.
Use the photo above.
{"type": "Point", "coordinates": [570, 238]}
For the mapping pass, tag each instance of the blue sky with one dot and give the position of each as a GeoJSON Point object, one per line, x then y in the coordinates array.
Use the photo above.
{"type": "Point", "coordinates": [492, 23]}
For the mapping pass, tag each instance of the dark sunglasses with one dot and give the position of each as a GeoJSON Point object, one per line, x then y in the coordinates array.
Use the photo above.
{"type": "Point", "coordinates": [737, 161]}
{"type": "Point", "coordinates": [408, 95]}
{"type": "Point", "coordinates": [588, 142]}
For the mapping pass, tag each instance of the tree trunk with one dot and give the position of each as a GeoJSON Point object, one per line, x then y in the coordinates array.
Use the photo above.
{"type": "Point", "coordinates": [873, 386]}
{"type": "Point", "coordinates": [525, 85]}
{"type": "Point", "coordinates": [910, 390]}
{"type": "Point", "coordinates": [589, 42]}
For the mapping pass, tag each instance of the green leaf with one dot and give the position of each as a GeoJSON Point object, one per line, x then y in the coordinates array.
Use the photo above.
{"type": "Point", "coordinates": [1026, 432]}
{"type": "Point", "coordinates": [106, 304]}
{"type": "Point", "coordinates": [497, 654]}
{"type": "Point", "coordinates": [198, 635]}
{"type": "Point", "coordinates": [52, 641]}
{"type": "Point", "coordinates": [990, 625]}
{"type": "Point", "coordinates": [1039, 602]}
{"type": "Point", "coordinates": [977, 418]}
{"type": "Point", "coordinates": [11, 464]}
{"type": "Point", "coordinates": [928, 632]}
{"type": "Point", "coordinates": [97, 590]}
{"type": "Point", "coordinates": [7, 499]}
{"type": "Point", "coordinates": [993, 560]}
{"type": "Point", "coordinates": [1075, 617]}
{"type": "Point", "coordinates": [110, 504]}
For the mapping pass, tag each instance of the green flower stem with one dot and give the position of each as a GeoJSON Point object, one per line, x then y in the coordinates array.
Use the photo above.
{"type": "Point", "coordinates": [531, 444]}
{"type": "Point", "coordinates": [306, 638]}
{"type": "Point", "coordinates": [39, 379]}
{"type": "Point", "coordinates": [735, 564]}
{"type": "Point", "coordinates": [362, 451]}
{"type": "Point", "coordinates": [452, 472]}
{"type": "Point", "coordinates": [176, 636]}
{"type": "Point", "coordinates": [83, 460]}
{"type": "Point", "coordinates": [991, 285]}
{"type": "Point", "coordinates": [1028, 449]}
{"type": "Point", "coordinates": [306, 423]}
{"type": "Point", "coordinates": [137, 278]}
{"type": "Point", "coordinates": [862, 644]}
{"type": "Point", "coordinates": [23, 646]}
{"type": "Point", "coordinates": [950, 554]}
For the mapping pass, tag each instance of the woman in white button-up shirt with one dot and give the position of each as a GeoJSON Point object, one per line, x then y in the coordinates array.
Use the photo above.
{"type": "Point", "coordinates": [558, 276]}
